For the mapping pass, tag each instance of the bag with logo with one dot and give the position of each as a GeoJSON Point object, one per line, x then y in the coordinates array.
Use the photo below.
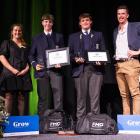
{"type": "Point", "coordinates": [100, 124]}
{"type": "Point", "coordinates": [54, 121]}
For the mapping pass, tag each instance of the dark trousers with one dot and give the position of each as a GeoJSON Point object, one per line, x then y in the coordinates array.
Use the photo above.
{"type": "Point", "coordinates": [47, 87]}
{"type": "Point", "coordinates": [88, 84]}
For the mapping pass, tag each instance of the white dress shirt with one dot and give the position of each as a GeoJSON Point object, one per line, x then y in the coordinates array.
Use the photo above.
{"type": "Point", "coordinates": [122, 43]}
{"type": "Point", "coordinates": [46, 33]}
{"type": "Point", "coordinates": [84, 31]}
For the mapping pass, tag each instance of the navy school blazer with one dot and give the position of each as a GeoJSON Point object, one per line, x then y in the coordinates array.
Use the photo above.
{"type": "Point", "coordinates": [39, 46]}
{"type": "Point", "coordinates": [76, 45]}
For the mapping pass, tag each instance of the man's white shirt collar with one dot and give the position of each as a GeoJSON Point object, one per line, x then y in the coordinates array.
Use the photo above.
{"type": "Point", "coordinates": [124, 27]}
{"type": "Point", "coordinates": [46, 33]}
{"type": "Point", "coordinates": [88, 31]}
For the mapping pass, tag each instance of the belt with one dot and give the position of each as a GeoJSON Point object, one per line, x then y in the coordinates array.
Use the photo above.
{"type": "Point", "coordinates": [126, 59]}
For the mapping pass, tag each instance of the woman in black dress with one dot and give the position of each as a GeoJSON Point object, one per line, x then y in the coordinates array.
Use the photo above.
{"type": "Point", "coordinates": [15, 78]}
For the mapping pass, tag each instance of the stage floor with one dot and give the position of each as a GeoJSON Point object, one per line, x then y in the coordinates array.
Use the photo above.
{"type": "Point", "coordinates": [76, 137]}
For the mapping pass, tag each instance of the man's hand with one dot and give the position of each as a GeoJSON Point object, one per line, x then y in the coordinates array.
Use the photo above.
{"type": "Point", "coordinates": [79, 60]}
{"type": "Point", "coordinates": [132, 53]}
{"type": "Point", "coordinates": [98, 63]}
{"type": "Point", "coordinates": [39, 67]}
{"type": "Point", "coordinates": [57, 66]}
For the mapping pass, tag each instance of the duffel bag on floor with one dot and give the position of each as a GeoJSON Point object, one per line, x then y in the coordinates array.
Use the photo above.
{"type": "Point", "coordinates": [100, 124]}
{"type": "Point", "coordinates": [54, 121]}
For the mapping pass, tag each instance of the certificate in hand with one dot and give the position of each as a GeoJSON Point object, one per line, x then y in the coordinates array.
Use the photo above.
{"type": "Point", "coordinates": [97, 56]}
{"type": "Point", "coordinates": [57, 56]}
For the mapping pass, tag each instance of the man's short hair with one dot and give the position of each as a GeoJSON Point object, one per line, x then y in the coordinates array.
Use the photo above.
{"type": "Point", "coordinates": [47, 17]}
{"type": "Point", "coordinates": [85, 15]}
{"type": "Point", "coordinates": [123, 7]}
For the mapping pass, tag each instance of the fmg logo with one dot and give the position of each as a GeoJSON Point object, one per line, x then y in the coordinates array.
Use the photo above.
{"type": "Point", "coordinates": [20, 124]}
{"type": "Point", "coordinates": [96, 124]}
{"type": "Point", "coordinates": [55, 124]}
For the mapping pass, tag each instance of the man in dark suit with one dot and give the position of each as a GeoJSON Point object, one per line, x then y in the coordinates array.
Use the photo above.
{"type": "Point", "coordinates": [88, 77]}
{"type": "Point", "coordinates": [127, 49]}
{"type": "Point", "coordinates": [49, 80]}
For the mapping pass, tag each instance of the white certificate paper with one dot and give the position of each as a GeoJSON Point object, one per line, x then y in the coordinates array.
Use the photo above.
{"type": "Point", "coordinates": [97, 56]}
{"type": "Point", "coordinates": [57, 57]}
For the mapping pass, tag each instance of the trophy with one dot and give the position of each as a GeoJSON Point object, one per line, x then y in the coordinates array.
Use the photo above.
{"type": "Point", "coordinates": [40, 61]}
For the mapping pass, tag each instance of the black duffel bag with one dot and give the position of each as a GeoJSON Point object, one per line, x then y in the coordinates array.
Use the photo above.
{"type": "Point", "coordinates": [55, 120]}
{"type": "Point", "coordinates": [100, 124]}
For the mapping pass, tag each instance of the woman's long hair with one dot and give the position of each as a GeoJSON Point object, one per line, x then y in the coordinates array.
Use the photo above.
{"type": "Point", "coordinates": [21, 39]}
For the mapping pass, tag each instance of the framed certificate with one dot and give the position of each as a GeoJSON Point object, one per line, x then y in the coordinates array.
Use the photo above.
{"type": "Point", "coordinates": [97, 56]}
{"type": "Point", "coordinates": [57, 56]}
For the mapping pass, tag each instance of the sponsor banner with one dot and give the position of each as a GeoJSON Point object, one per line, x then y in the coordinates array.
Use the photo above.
{"type": "Point", "coordinates": [22, 125]}
{"type": "Point", "coordinates": [128, 124]}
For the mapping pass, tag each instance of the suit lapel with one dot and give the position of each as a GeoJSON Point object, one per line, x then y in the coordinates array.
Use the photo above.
{"type": "Point", "coordinates": [81, 45]}
{"type": "Point", "coordinates": [54, 40]}
{"type": "Point", "coordinates": [129, 33]}
{"type": "Point", "coordinates": [81, 42]}
{"type": "Point", "coordinates": [91, 40]}
{"type": "Point", "coordinates": [44, 41]}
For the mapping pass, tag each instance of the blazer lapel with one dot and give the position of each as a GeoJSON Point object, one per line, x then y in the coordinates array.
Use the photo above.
{"type": "Point", "coordinates": [44, 41]}
{"type": "Point", "coordinates": [91, 40]}
{"type": "Point", "coordinates": [129, 33]}
{"type": "Point", "coordinates": [81, 43]}
{"type": "Point", "coordinates": [54, 43]}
